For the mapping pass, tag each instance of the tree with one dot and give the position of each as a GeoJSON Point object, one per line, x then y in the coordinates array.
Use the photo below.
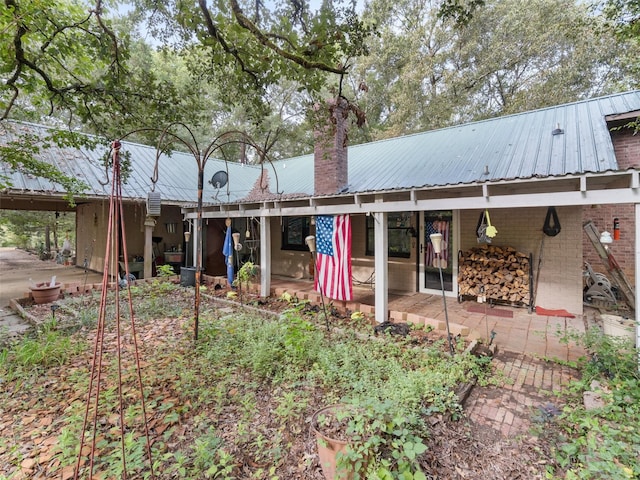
{"type": "Point", "coordinates": [525, 55]}
{"type": "Point", "coordinates": [77, 62]}
{"type": "Point", "coordinates": [28, 229]}
{"type": "Point", "coordinates": [72, 57]}
{"type": "Point", "coordinates": [625, 16]}
{"type": "Point", "coordinates": [403, 84]}
{"type": "Point", "coordinates": [509, 56]}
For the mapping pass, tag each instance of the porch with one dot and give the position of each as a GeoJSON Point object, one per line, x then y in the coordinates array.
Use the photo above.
{"type": "Point", "coordinates": [516, 329]}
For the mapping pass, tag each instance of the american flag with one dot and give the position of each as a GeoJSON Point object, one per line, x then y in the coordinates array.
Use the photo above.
{"type": "Point", "coordinates": [333, 256]}
{"type": "Point", "coordinates": [436, 226]}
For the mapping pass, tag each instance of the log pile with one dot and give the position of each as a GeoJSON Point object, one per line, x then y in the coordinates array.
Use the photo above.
{"type": "Point", "coordinates": [502, 271]}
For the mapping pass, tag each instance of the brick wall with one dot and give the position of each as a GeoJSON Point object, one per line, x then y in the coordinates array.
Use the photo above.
{"type": "Point", "coordinates": [330, 170]}
{"type": "Point", "coordinates": [627, 149]}
{"type": "Point", "coordinates": [560, 284]}
{"type": "Point", "coordinates": [623, 250]}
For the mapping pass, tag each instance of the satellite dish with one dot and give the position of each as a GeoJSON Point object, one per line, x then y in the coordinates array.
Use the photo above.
{"type": "Point", "coordinates": [219, 179]}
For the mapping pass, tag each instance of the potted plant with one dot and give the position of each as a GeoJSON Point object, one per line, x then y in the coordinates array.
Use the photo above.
{"type": "Point", "coordinates": [373, 437]}
{"type": "Point", "coordinates": [45, 292]}
{"type": "Point", "coordinates": [331, 426]}
{"type": "Point", "coordinates": [247, 272]}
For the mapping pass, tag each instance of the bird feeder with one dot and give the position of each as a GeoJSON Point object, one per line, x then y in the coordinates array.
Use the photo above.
{"type": "Point", "coordinates": [153, 204]}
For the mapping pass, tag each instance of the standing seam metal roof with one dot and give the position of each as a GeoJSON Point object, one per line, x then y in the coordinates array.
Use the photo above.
{"type": "Point", "coordinates": [177, 180]}
{"type": "Point", "coordinates": [509, 147]}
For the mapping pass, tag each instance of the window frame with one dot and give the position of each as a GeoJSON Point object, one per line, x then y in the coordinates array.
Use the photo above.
{"type": "Point", "coordinates": [298, 243]}
{"type": "Point", "coordinates": [397, 224]}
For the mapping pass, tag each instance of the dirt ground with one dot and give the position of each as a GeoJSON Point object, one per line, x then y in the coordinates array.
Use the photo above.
{"type": "Point", "coordinates": [18, 267]}
{"type": "Point", "coordinates": [476, 447]}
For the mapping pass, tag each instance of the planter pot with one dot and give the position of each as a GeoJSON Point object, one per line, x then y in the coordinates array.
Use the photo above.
{"type": "Point", "coordinates": [45, 293]}
{"type": "Point", "coordinates": [329, 448]}
{"type": "Point", "coordinates": [174, 257]}
{"type": "Point", "coordinates": [187, 276]}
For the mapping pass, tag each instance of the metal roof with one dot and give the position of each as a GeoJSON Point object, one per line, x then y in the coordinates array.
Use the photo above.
{"type": "Point", "coordinates": [177, 173]}
{"type": "Point", "coordinates": [520, 146]}
{"type": "Point", "coordinates": [517, 146]}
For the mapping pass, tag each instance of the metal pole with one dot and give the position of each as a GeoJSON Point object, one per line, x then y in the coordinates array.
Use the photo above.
{"type": "Point", "coordinates": [196, 307]}
{"type": "Point", "coordinates": [444, 301]}
{"type": "Point", "coordinates": [324, 308]}
{"type": "Point", "coordinates": [311, 243]}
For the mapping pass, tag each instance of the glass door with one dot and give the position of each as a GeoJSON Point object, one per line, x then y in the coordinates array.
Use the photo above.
{"type": "Point", "coordinates": [440, 221]}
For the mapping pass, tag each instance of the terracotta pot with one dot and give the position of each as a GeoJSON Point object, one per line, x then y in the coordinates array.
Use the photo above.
{"type": "Point", "coordinates": [329, 448]}
{"type": "Point", "coordinates": [45, 293]}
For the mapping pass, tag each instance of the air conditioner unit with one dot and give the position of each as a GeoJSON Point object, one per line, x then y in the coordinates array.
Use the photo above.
{"type": "Point", "coordinates": [153, 204]}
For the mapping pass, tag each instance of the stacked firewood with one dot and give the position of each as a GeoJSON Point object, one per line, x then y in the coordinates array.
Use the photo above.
{"type": "Point", "coordinates": [502, 272]}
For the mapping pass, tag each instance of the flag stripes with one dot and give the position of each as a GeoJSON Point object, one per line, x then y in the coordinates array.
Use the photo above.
{"type": "Point", "coordinates": [333, 256]}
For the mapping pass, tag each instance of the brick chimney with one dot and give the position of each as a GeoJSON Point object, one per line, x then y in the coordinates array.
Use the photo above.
{"type": "Point", "coordinates": [330, 170]}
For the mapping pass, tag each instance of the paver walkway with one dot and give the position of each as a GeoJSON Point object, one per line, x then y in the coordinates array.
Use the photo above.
{"type": "Point", "coordinates": [529, 394]}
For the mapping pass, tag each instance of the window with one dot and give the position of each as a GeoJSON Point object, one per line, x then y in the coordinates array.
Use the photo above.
{"type": "Point", "coordinates": [400, 233]}
{"type": "Point", "coordinates": [294, 231]}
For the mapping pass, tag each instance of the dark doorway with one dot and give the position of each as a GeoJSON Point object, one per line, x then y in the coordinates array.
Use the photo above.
{"type": "Point", "coordinates": [213, 260]}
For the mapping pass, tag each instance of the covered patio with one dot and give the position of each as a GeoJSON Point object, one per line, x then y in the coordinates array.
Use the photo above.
{"type": "Point", "coordinates": [516, 330]}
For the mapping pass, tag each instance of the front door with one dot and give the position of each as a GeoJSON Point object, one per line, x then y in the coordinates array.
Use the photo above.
{"type": "Point", "coordinates": [213, 260]}
{"type": "Point", "coordinates": [440, 221]}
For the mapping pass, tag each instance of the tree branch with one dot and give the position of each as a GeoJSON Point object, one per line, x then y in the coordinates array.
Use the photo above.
{"type": "Point", "coordinates": [247, 24]}
{"type": "Point", "coordinates": [215, 33]}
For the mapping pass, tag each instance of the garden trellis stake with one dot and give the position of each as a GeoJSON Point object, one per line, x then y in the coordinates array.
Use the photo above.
{"type": "Point", "coordinates": [115, 232]}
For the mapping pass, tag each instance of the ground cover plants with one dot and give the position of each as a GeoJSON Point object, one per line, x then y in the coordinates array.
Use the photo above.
{"type": "Point", "coordinates": [602, 442]}
{"type": "Point", "coordinates": [238, 403]}
{"type": "Point", "coordinates": [206, 401]}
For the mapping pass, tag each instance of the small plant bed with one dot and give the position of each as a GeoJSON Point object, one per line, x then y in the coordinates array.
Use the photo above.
{"type": "Point", "coordinates": [239, 402]}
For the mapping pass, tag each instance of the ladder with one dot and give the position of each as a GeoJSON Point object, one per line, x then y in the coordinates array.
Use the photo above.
{"type": "Point", "coordinates": [611, 264]}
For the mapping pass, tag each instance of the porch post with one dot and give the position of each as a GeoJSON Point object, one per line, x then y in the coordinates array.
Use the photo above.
{"type": "Point", "coordinates": [381, 266]}
{"type": "Point", "coordinates": [149, 223]}
{"type": "Point", "coordinates": [265, 256]}
{"type": "Point", "coordinates": [637, 276]}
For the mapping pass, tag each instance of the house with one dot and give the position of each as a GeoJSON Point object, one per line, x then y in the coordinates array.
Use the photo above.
{"type": "Point", "coordinates": [150, 240]}
{"type": "Point", "coordinates": [577, 158]}
{"type": "Point", "coordinates": [569, 157]}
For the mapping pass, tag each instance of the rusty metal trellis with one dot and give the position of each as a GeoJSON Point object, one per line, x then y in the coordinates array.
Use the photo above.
{"type": "Point", "coordinates": [115, 241]}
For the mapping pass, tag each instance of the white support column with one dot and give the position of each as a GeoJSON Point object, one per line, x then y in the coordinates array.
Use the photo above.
{"type": "Point", "coordinates": [381, 236]}
{"type": "Point", "coordinates": [265, 256]}
{"type": "Point", "coordinates": [194, 244]}
{"type": "Point", "coordinates": [637, 276]}
{"type": "Point", "coordinates": [149, 223]}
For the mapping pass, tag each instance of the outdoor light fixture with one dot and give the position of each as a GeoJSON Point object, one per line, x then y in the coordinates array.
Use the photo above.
{"type": "Point", "coordinates": [187, 236]}
{"type": "Point", "coordinates": [236, 241]}
{"type": "Point", "coordinates": [606, 238]}
{"type": "Point", "coordinates": [54, 307]}
{"type": "Point", "coordinates": [311, 243]}
{"type": "Point", "coordinates": [436, 242]}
